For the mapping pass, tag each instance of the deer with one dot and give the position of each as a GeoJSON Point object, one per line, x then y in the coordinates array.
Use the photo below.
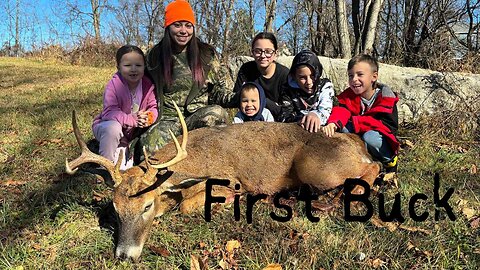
{"type": "Point", "coordinates": [264, 158]}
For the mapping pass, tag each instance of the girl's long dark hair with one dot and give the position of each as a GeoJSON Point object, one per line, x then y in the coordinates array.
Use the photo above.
{"type": "Point", "coordinates": [193, 58]}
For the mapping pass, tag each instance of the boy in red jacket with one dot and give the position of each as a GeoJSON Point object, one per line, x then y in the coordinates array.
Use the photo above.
{"type": "Point", "coordinates": [368, 109]}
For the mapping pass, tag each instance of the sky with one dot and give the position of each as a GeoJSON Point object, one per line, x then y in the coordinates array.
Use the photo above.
{"type": "Point", "coordinates": [43, 22]}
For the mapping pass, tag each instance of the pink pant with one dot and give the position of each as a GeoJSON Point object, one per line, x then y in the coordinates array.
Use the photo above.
{"type": "Point", "coordinates": [110, 136]}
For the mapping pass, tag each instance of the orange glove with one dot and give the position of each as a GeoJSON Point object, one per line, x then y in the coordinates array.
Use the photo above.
{"type": "Point", "coordinates": [149, 118]}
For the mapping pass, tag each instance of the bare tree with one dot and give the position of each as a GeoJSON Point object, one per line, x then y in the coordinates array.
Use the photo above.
{"type": "Point", "coordinates": [270, 11]}
{"type": "Point", "coordinates": [342, 26]}
{"type": "Point", "coordinates": [90, 16]}
{"type": "Point", "coordinates": [364, 23]}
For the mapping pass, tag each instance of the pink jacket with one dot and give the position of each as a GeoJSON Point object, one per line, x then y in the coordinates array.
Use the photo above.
{"type": "Point", "coordinates": [117, 104]}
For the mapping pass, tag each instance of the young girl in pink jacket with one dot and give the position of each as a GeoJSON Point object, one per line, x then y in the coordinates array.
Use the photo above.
{"type": "Point", "coordinates": [128, 104]}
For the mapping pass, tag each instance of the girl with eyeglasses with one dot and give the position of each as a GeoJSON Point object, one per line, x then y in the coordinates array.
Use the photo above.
{"type": "Point", "coordinates": [265, 71]}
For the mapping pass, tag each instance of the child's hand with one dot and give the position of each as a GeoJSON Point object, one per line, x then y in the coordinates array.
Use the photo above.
{"type": "Point", "coordinates": [329, 129]}
{"type": "Point", "coordinates": [142, 119]}
{"type": "Point", "coordinates": [310, 122]}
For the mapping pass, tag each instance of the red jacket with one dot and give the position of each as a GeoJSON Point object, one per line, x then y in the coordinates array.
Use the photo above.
{"type": "Point", "coordinates": [382, 116]}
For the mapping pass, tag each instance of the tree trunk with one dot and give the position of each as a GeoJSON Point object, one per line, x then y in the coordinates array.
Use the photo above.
{"type": "Point", "coordinates": [228, 15]}
{"type": "Point", "coordinates": [356, 24]}
{"type": "Point", "coordinates": [16, 47]}
{"type": "Point", "coordinates": [270, 13]}
{"type": "Point", "coordinates": [342, 26]}
{"type": "Point", "coordinates": [370, 25]}
{"type": "Point", "coordinates": [96, 11]}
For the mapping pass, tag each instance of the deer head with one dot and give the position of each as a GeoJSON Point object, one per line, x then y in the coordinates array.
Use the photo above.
{"type": "Point", "coordinates": [139, 196]}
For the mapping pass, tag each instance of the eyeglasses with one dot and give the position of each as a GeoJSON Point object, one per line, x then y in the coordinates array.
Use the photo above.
{"type": "Point", "coordinates": [268, 52]}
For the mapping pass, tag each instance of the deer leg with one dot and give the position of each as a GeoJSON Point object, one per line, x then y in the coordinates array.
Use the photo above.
{"type": "Point", "coordinates": [371, 172]}
{"type": "Point", "coordinates": [194, 197]}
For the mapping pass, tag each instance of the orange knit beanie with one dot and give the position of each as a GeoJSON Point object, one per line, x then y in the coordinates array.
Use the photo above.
{"type": "Point", "coordinates": [179, 10]}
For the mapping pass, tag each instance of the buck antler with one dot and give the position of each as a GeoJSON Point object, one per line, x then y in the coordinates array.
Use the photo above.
{"type": "Point", "coordinates": [88, 156]}
{"type": "Point", "coordinates": [181, 150]}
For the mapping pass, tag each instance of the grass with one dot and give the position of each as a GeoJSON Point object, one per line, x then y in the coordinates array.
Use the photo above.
{"type": "Point", "coordinates": [49, 220]}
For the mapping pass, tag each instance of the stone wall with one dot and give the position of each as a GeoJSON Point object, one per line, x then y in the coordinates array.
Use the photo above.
{"type": "Point", "coordinates": [422, 92]}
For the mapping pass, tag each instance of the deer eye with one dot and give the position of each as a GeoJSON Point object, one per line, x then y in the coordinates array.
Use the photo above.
{"type": "Point", "coordinates": [147, 207]}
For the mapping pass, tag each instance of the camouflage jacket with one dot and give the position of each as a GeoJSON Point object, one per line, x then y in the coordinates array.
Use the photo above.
{"type": "Point", "coordinates": [183, 91]}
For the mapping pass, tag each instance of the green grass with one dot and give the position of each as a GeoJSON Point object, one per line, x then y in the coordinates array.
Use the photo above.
{"type": "Point", "coordinates": [49, 220]}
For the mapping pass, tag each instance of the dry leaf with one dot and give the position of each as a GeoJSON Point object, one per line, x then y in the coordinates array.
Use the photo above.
{"type": "Point", "coordinates": [391, 178]}
{"type": "Point", "coordinates": [202, 245]}
{"type": "Point", "coordinates": [223, 264]}
{"type": "Point", "coordinates": [273, 266]}
{"type": "Point", "coordinates": [11, 182]}
{"type": "Point", "coordinates": [159, 251]}
{"type": "Point", "coordinates": [391, 226]}
{"type": "Point", "coordinates": [476, 251]}
{"type": "Point", "coordinates": [196, 263]}
{"type": "Point", "coordinates": [377, 263]}
{"type": "Point", "coordinates": [410, 245]}
{"type": "Point", "coordinates": [409, 143]}
{"type": "Point", "coordinates": [231, 245]}
{"type": "Point", "coordinates": [468, 212]}
{"type": "Point", "coordinates": [462, 202]}
{"type": "Point", "coordinates": [97, 196]}
{"type": "Point", "coordinates": [414, 229]}
{"type": "Point", "coordinates": [475, 223]}
{"type": "Point", "coordinates": [473, 169]}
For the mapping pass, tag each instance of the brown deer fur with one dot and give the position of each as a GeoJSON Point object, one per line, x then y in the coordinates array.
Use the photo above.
{"type": "Point", "coordinates": [263, 157]}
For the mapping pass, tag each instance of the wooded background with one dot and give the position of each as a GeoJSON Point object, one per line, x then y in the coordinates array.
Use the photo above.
{"type": "Point", "coordinates": [436, 34]}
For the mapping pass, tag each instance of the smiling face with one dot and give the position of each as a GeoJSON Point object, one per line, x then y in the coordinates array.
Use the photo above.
{"type": "Point", "coordinates": [250, 101]}
{"type": "Point", "coordinates": [361, 78]}
{"type": "Point", "coordinates": [132, 67]}
{"type": "Point", "coordinates": [181, 33]}
{"type": "Point", "coordinates": [305, 78]}
{"type": "Point", "coordinates": [264, 53]}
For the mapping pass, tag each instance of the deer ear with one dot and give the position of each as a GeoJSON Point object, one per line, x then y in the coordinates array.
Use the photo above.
{"type": "Point", "coordinates": [184, 185]}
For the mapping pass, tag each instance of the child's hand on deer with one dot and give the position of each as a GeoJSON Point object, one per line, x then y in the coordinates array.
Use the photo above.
{"type": "Point", "coordinates": [310, 122]}
{"type": "Point", "coordinates": [142, 119]}
{"type": "Point", "coordinates": [329, 129]}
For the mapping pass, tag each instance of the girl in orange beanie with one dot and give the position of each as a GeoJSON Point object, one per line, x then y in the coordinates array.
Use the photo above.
{"type": "Point", "coordinates": [184, 70]}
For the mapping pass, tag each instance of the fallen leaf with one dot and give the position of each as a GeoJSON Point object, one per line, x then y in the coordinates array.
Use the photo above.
{"type": "Point", "coordinates": [414, 229]}
{"type": "Point", "coordinates": [196, 263]}
{"type": "Point", "coordinates": [409, 143]}
{"type": "Point", "coordinates": [97, 196]}
{"type": "Point", "coordinates": [202, 245]}
{"type": "Point", "coordinates": [273, 266]}
{"type": "Point", "coordinates": [468, 212]}
{"type": "Point", "coordinates": [473, 169]}
{"type": "Point", "coordinates": [410, 245]}
{"type": "Point", "coordinates": [159, 251]}
{"type": "Point", "coordinates": [377, 263]}
{"type": "Point", "coordinates": [223, 264]}
{"type": "Point", "coordinates": [475, 223]}
{"type": "Point", "coordinates": [11, 182]}
{"type": "Point", "coordinates": [391, 226]}
{"type": "Point", "coordinates": [476, 251]}
{"type": "Point", "coordinates": [462, 202]}
{"type": "Point", "coordinates": [391, 178]}
{"type": "Point", "coordinates": [231, 245]}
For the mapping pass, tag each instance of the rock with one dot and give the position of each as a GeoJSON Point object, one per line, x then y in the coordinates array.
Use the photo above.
{"type": "Point", "coordinates": [422, 92]}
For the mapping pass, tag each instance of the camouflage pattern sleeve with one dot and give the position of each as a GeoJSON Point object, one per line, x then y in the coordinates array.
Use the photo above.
{"type": "Point", "coordinates": [218, 91]}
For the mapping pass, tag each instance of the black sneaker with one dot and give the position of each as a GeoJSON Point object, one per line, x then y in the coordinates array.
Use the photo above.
{"type": "Point", "coordinates": [391, 167]}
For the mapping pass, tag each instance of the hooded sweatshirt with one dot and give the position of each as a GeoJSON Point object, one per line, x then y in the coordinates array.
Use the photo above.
{"type": "Point", "coordinates": [117, 104]}
{"type": "Point", "coordinates": [263, 113]}
{"type": "Point", "coordinates": [296, 103]}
